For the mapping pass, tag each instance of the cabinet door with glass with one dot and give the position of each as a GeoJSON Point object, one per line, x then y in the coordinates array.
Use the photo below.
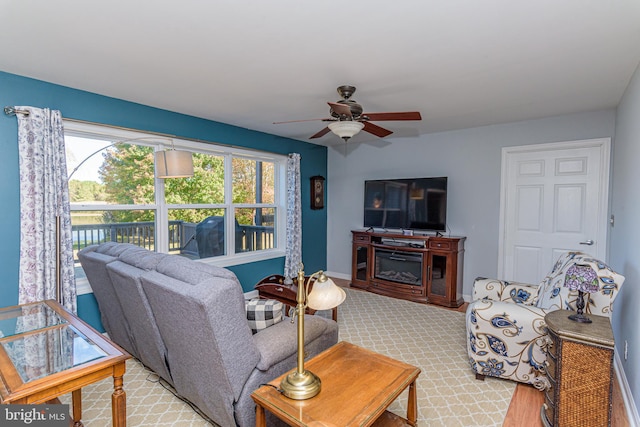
{"type": "Point", "coordinates": [444, 278]}
{"type": "Point", "coordinates": [360, 265]}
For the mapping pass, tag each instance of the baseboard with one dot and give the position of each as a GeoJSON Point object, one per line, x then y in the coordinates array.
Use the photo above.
{"type": "Point", "coordinates": [466, 298]}
{"type": "Point", "coordinates": [627, 397]}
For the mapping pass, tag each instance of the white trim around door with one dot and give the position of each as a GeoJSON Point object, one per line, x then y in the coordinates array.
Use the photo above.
{"type": "Point", "coordinates": [553, 197]}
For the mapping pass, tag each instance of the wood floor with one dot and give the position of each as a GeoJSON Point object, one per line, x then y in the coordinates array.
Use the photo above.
{"type": "Point", "coordinates": [524, 410]}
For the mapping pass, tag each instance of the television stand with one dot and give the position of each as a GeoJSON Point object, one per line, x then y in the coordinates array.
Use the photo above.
{"type": "Point", "coordinates": [416, 268]}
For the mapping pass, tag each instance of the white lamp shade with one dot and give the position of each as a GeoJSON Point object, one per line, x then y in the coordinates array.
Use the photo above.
{"type": "Point", "coordinates": [174, 164]}
{"type": "Point", "coordinates": [346, 129]}
{"type": "Point", "coordinates": [325, 295]}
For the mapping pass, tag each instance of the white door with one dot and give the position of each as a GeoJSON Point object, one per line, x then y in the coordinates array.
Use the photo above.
{"type": "Point", "coordinates": [554, 198]}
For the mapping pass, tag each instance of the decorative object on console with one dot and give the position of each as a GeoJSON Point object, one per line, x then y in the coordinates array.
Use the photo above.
{"type": "Point", "coordinates": [317, 192]}
{"type": "Point", "coordinates": [302, 384]}
{"type": "Point", "coordinates": [583, 279]}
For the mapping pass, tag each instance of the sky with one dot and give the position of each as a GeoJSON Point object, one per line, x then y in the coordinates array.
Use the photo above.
{"type": "Point", "coordinates": [78, 149]}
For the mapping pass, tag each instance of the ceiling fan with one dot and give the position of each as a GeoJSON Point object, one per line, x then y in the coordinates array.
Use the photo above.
{"type": "Point", "coordinates": [348, 118]}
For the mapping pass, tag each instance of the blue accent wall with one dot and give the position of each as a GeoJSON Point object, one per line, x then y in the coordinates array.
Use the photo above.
{"type": "Point", "coordinates": [76, 104]}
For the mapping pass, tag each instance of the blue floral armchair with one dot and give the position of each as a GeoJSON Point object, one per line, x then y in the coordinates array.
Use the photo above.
{"type": "Point", "coordinates": [505, 322]}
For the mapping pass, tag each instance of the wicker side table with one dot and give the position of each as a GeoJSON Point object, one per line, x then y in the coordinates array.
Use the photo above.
{"type": "Point", "coordinates": [580, 371]}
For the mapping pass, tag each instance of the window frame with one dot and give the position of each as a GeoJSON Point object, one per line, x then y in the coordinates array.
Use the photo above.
{"type": "Point", "coordinates": [110, 133]}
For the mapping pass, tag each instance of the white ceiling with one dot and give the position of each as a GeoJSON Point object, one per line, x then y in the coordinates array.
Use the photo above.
{"type": "Point", "coordinates": [461, 63]}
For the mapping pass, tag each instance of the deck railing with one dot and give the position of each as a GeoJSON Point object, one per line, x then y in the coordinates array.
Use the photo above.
{"type": "Point", "coordinates": [181, 236]}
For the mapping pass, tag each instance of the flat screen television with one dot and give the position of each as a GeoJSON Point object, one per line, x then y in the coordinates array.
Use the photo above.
{"type": "Point", "coordinates": [408, 203]}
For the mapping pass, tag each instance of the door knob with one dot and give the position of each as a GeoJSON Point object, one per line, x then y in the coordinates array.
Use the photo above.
{"type": "Point", "coordinates": [588, 242]}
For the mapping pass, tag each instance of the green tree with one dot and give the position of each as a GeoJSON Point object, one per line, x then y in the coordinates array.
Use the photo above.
{"type": "Point", "coordinates": [127, 173]}
{"type": "Point", "coordinates": [128, 176]}
{"type": "Point", "coordinates": [245, 176]}
{"type": "Point", "coordinates": [205, 187]}
{"type": "Point", "coordinates": [86, 191]}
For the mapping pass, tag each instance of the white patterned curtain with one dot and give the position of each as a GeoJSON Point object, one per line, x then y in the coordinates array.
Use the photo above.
{"type": "Point", "coordinates": [293, 252]}
{"type": "Point", "coordinates": [44, 210]}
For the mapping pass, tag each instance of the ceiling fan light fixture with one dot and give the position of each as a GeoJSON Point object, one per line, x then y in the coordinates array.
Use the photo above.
{"type": "Point", "coordinates": [346, 129]}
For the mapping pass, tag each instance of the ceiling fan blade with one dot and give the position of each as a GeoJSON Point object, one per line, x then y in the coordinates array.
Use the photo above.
{"type": "Point", "coordinates": [323, 132]}
{"type": "Point", "coordinates": [407, 115]}
{"type": "Point", "coordinates": [305, 120]}
{"type": "Point", "coordinates": [376, 130]}
{"type": "Point", "coordinates": [342, 109]}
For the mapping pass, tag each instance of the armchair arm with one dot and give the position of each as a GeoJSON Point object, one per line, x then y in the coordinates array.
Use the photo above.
{"type": "Point", "coordinates": [279, 342]}
{"type": "Point", "coordinates": [501, 290]}
{"type": "Point", "coordinates": [506, 340]}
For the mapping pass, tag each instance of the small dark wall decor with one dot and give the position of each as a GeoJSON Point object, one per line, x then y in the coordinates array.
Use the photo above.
{"type": "Point", "coordinates": [317, 192]}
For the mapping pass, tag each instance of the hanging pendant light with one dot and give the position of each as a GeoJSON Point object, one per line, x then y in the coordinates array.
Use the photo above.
{"type": "Point", "coordinates": [174, 164]}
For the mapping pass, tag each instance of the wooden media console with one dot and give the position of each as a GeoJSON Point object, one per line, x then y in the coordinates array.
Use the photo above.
{"type": "Point", "coordinates": [420, 268]}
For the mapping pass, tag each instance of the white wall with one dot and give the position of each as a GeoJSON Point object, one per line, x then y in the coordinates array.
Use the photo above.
{"type": "Point", "coordinates": [625, 235]}
{"type": "Point", "coordinates": [470, 158]}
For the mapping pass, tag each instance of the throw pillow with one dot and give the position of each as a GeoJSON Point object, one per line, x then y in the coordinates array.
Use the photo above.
{"type": "Point", "coordinates": [262, 313]}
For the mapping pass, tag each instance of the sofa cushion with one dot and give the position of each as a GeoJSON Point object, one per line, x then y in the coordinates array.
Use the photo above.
{"type": "Point", "coordinates": [112, 248]}
{"type": "Point", "coordinates": [191, 271]}
{"type": "Point", "coordinates": [142, 258]}
{"type": "Point", "coordinates": [94, 260]}
{"type": "Point", "coordinates": [280, 341]}
{"type": "Point", "coordinates": [145, 335]}
{"type": "Point", "coordinates": [210, 349]}
{"type": "Point", "coordinates": [262, 313]}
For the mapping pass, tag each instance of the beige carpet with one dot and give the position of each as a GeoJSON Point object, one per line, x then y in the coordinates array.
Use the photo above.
{"type": "Point", "coordinates": [433, 339]}
{"type": "Point", "coordinates": [429, 337]}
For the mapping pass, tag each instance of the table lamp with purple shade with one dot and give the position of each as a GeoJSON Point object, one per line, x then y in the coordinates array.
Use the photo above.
{"type": "Point", "coordinates": [581, 278]}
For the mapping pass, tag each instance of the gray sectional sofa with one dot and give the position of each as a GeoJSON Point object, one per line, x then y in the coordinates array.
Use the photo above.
{"type": "Point", "coordinates": [186, 321]}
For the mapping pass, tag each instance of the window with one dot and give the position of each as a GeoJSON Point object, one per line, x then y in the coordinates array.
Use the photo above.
{"type": "Point", "coordinates": [230, 212]}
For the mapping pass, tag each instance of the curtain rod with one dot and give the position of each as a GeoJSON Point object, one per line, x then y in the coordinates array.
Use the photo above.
{"type": "Point", "coordinates": [170, 136]}
{"type": "Point", "coordinates": [12, 111]}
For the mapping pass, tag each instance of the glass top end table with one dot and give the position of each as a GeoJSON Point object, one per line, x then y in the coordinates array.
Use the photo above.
{"type": "Point", "coordinates": [46, 351]}
{"type": "Point", "coordinates": [28, 317]}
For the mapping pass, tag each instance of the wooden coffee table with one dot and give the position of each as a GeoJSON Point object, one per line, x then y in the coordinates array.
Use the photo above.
{"type": "Point", "coordinates": [46, 351]}
{"type": "Point", "coordinates": [358, 385]}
